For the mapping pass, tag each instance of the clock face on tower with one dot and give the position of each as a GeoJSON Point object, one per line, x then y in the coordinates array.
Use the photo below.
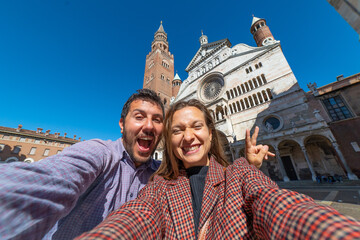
{"type": "Point", "coordinates": [211, 88]}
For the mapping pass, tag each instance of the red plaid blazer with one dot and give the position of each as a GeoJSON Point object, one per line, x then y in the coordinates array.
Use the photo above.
{"type": "Point", "coordinates": [240, 203]}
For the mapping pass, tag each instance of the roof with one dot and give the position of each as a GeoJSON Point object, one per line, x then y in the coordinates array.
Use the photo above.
{"type": "Point", "coordinates": [177, 77]}
{"type": "Point", "coordinates": [208, 49]}
{"type": "Point", "coordinates": [161, 29]}
{"type": "Point", "coordinates": [31, 133]}
{"type": "Point", "coordinates": [345, 82]}
{"type": "Point", "coordinates": [255, 19]}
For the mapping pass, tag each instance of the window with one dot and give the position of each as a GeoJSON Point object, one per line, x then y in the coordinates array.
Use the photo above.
{"type": "Point", "coordinates": [46, 152]}
{"type": "Point", "coordinates": [6, 137]}
{"type": "Point", "coordinates": [17, 149]}
{"type": "Point", "coordinates": [59, 151]}
{"type": "Point", "coordinates": [32, 151]}
{"type": "Point", "coordinates": [336, 108]}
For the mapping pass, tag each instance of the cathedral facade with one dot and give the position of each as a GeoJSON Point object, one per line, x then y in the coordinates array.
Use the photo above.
{"type": "Point", "coordinates": [244, 87]}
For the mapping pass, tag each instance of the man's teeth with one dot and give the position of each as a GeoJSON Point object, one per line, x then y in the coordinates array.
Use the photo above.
{"type": "Point", "coordinates": [146, 138]}
{"type": "Point", "coordinates": [191, 148]}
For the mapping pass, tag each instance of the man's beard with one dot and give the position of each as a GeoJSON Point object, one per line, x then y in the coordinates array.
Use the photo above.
{"type": "Point", "coordinates": [130, 151]}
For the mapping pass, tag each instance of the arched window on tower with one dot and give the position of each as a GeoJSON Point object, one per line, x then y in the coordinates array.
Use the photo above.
{"type": "Point", "coordinates": [228, 95]}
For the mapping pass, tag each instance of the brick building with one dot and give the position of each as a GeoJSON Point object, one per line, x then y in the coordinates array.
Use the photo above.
{"type": "Point", "coordinates": [159, 68]}
{"type": "Point", "coordinates": [18, 144]}
{"type": "Point", "coordinates": [338, 104]}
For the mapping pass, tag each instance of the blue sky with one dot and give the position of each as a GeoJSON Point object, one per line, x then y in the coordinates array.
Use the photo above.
{"type": "Point", "coordinates": [69, 66]}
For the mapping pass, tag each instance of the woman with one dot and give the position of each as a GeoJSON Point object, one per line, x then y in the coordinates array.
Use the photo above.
{"type": "Point", "coordinates": [195, 193]}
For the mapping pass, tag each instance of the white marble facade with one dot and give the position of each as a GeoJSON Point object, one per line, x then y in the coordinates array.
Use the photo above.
{"type": "Point", "coordinates": [244, 87]}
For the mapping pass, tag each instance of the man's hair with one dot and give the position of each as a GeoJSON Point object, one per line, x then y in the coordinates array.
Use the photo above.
{"type": "Point", "coordinates": [142, 94]}
{"type": "Point", "coordinates": [171, 165]}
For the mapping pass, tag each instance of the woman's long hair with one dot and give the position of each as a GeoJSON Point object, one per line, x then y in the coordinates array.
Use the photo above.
{"type": "Point", "coordinates": [171, 165]}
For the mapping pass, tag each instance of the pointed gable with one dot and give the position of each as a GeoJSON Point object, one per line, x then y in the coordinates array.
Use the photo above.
{"type": "Point", "coordinates": [207, 50]}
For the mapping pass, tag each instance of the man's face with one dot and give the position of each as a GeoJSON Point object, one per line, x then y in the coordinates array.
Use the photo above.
{"type": "Point", "coordinates": [141, 129]}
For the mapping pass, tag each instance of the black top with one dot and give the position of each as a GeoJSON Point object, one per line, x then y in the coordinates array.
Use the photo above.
{"type": "Point", "coordinates": [197, 176]}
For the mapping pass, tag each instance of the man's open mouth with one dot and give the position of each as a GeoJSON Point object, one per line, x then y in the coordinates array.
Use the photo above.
{"type": "Point", "coordinates": [145, 143]}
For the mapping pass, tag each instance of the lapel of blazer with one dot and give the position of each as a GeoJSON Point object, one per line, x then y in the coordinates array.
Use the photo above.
{"type": "Point", "coordinates": [179, 198]}
{"type": "Point", "coordinates": [214, 177]}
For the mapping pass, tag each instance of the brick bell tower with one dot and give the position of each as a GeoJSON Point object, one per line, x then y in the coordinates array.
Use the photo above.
{"type": "Point", "coordinates": [159, 67]}
{"type": "Point", "coordinates": [261, 32]}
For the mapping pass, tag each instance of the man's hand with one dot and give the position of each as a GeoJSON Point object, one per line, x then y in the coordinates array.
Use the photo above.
{"type": "Point", "coordinates": [255, 154]}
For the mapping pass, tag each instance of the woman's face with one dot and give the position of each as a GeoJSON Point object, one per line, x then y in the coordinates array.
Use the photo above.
{"type": "Point", "coordinates": [190, 137]}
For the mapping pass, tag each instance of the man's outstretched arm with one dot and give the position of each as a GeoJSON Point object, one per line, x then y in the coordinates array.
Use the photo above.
{"type": "Point", "coordinates": [35, 196]}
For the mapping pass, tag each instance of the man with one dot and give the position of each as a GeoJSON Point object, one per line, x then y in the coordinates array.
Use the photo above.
{"type": "Point", "coordinates": [70, 193]}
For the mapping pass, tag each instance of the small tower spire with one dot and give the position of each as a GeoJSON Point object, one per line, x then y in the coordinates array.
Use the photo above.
{"type": "Point", "coordinates": [261, 32]}
{"type": "Point", "coordinates": [203, 39]}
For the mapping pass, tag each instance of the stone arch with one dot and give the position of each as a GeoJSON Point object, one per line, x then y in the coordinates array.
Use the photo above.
{"type": "Point", "coordinates": [243, 88]}
{"type": "Point", "coordinates": [293, 160]}
{"type": "Point", "coordinates": [238, 88]}
{"type": "Point", "coordinates": [255, 99]}
{"type": "Point", "coordinates": [259, 81]}
{"type": "Point", "coordinates": [238, 106]}
{"type": "Point", "coordinates": [323, 156]}
{"type": "Point", "coordinates": [242, 104]}
{"type": "Point", "coordinates": [261, 100]}
{"type": "Point", "coordinates": [255, 83]}
{"type": "Point", "coordinates": [228, 94]}
{"type": "Point", "coordinates": [234, 107]}
{"type": "Point", "coordinates": [220, 112]}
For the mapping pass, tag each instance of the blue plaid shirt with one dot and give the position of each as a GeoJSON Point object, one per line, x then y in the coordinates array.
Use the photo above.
{"type": "Point", "coordinates": [69, 193]}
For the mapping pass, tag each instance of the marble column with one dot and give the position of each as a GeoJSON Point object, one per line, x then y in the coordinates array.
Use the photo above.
{"type": "Point", "coordinates": [350, 174]}
{"type": "Point", "coordinates": [313, 174]}
{"type": "Point", "coordinates": [282, 168]}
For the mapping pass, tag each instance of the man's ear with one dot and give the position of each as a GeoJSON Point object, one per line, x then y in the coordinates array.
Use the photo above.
{"type": "Point", "coordinates": [121, 124]}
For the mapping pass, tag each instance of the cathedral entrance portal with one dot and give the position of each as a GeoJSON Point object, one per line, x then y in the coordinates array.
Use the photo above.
{"type": "Point", "coordinates": [289, 167]}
